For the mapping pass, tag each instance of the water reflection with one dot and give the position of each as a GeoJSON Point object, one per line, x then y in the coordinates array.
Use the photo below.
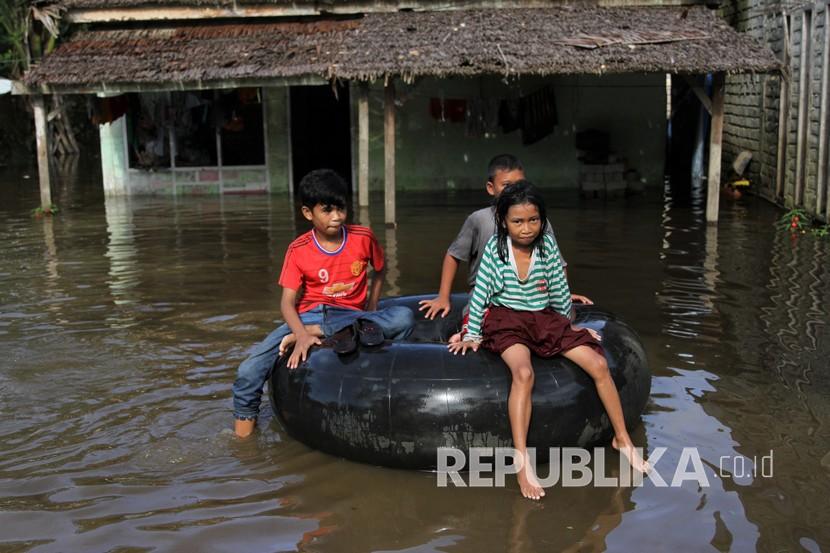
{"type": "Point", "coordinates": [393, 273]}
{"type": "Point", "coordinates": [51, 253]}
{"type": "Point", "coordinates": [389, 240]}
{"type": "Point", "coordinates": [124, 275]}
{"type": "Point", "coordinates": [687, 369]}
{"type": "Point", "coordinates": [710, 265]}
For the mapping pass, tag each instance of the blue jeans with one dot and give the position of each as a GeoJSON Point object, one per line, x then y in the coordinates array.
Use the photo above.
{"type": "Point", "coordinates": [396, 322]}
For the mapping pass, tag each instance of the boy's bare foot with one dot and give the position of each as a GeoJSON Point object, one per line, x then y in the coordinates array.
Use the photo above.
{"type": "Point", "coordinates": [528, 483]}
{"type": "Point", "coordinates": [243, 428]}
{"type": "Point", "coordinates": [625, 447]}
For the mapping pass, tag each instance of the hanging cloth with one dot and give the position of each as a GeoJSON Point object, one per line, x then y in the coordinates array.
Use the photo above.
{"type": "Point", "coordinates": [538, 115]}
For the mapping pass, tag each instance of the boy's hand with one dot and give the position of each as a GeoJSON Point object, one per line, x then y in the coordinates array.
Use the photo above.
{"type": "Point", "coordinates": [433, 307]}
{"type": "Point", "coordinates": [578, 298]}
{"type": "Point", "coordinates": [301, 348]}
{"type": "Point", "coordinates": [591, 331]}
{"type": "Point", "coordinates": [463, 347]}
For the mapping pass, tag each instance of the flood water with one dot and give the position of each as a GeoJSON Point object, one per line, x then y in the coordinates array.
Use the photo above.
{"type": "Point", "coordinates": [122, 322]}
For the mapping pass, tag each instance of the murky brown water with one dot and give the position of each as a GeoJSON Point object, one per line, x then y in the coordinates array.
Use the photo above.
{"type": "Point", "coordinates": [122, 322]}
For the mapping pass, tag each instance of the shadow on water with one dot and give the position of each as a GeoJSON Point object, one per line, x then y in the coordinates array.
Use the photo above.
{"type": "Point", "coordinates": [122, 322]}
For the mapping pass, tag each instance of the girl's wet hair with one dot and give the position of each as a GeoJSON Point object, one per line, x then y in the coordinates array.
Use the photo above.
{"type": "Point", "coordinates": [324, 187]}
{"type": "Point", "coordinates": [519, 193]}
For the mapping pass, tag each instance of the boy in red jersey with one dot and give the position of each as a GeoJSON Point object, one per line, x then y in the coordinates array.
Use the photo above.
{"type": "Point", "coordinates": [330, 264]}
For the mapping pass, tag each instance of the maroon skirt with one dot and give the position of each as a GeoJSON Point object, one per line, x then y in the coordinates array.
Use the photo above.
{"type": "Point", "coordinates": [546, 333]}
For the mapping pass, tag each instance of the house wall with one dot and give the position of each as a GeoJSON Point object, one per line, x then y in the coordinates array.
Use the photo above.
{"type": "Point", "coordinates": [436, 155]}
{"type": "Point", "coordinates": [114, 158]}
{"type": "Point", "coordinates": [752, 103]}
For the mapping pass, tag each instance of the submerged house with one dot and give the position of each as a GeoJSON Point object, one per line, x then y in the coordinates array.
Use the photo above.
{"type": "Point", "coordinates": [246, 96]}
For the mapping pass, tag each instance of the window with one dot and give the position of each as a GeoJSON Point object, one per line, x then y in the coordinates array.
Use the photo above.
{"type": "Point", "coordinates": [196, 129]}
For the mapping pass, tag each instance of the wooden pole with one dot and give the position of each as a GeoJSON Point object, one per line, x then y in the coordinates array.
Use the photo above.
{"type": "Point", "coordinates": [389, 154]}
{"type": "Point", "coordinates": [804, 61]}
{"type": "Point", "coordinates": [363, 144]}
{"type": "Point", "coordinates": [821, 184]}
{"type": "Point", "coordinates": [715, 146]}
{"type": "Point", "coordinates": [42, 137]}
{"type": "Point", "coordinates": [783, 114]}
{"type": "Point", "coordinates": [290, 148]}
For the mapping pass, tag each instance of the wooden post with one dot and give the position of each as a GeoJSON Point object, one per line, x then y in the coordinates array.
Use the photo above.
{"type": "Point", "coordinates": [389, 154]}
{"type": "Point", "coordinates": [290, 148]}
{"type": "Point", "coordinates": [802, 137]}
{"type": "Point", "coordinates": [715, 145]}
{"type": "Point", "coordinates": [783, 113]}
{"type": "Point", "coordinates": [821, 184]}
{"type": "Point", "coordinates": [363, 144]}
{"type": "Point", "coordinates": [42, 136]}
{"type": "Point", "coordinates": [783, 130]}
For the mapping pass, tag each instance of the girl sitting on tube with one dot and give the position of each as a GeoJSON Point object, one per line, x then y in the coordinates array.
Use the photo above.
{"type": "Point", "coordinates": [521, 282]}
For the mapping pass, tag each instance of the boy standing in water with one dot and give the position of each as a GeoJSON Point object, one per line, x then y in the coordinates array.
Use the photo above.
{"type": "Point", "coordinates": [503, 170]}
{"type": "Point", "coordinates": [329, 264]}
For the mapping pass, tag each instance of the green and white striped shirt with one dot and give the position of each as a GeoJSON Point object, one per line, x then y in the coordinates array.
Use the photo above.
{"type": "Point", "coordinates": [497, 283]}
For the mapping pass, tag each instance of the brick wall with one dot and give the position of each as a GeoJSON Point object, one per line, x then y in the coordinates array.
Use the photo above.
{"type": "Point", "coordinates": [752, 101]}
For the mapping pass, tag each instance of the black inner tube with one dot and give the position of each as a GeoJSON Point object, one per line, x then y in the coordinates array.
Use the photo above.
{"type": "Point", "coordinates": [396, 404]}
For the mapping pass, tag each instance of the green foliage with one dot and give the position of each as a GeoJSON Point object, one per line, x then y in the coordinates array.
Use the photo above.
{"type": "Point", "coordinates": [28, 29]}
{"type": "Point", "coordinates": [41, 211]}
{"type": "Point", "coordinates": [798, 221]}
{"type": "Point", "coordinates": [795, 220]}
{"type": "Point", "coordinates": [13, 27]}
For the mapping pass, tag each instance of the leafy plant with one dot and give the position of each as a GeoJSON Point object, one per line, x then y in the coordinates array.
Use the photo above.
{"type": "Point", "coordinates": [798, 221]}
{"type": "Point", "coordinates": [41, 211]}
{"type": "Point", "coordinates": [795, 220]}
{"type": "Point", "coordinates": [20, 39]}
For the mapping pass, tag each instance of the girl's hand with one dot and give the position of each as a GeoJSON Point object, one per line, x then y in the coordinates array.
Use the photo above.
{"type": "Point", "coordinates": [579, 298]}
{"type": "Point", "coordinates": [463, 347]}
{"type": "Point", "coordinates": [594, 334]}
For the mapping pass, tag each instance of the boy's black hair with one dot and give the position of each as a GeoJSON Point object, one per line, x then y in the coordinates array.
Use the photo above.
{"type": "Point", "coordinates": [503, 162]}
{"type": "Point", "coordinates": [521, 192]}
{"type": "Point", "coordinates": [323, 186]}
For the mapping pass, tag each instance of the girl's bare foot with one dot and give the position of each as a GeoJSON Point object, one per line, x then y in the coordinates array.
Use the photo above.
{"type": "Point", "coordinates": [528, 483]}
{"type": "Point", "coordinates": [625, 447]}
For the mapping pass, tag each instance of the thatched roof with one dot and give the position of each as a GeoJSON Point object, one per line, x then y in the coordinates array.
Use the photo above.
{"type": "Point", "coordinates": [522, 41]}
{"type": "Point", "coordinates": [109, 4]}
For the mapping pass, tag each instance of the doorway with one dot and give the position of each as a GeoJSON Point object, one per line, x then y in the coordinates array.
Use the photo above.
{"type": "Point", "coordinates": [320, 131]}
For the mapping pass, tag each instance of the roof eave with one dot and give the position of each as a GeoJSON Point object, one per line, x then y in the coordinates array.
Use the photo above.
{"type": "Point", "coordinates": [301, 9]}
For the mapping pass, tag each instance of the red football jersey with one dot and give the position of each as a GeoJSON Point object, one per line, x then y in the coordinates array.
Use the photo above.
{"type": "Point", "coordinates": [335, 278]}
